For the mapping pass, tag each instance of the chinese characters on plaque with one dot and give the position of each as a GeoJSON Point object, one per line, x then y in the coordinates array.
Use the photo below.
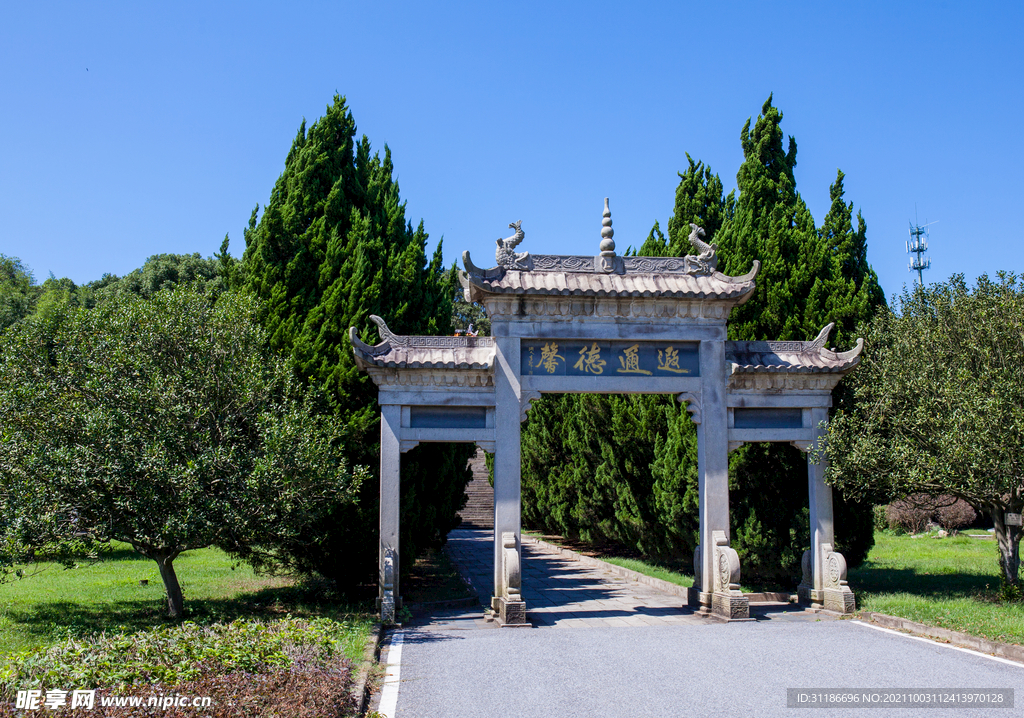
{"type": "Point", "coordinates": [601, 358]}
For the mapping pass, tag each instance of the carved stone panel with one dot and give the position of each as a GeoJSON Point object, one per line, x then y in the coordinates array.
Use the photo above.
{"type": "Point", "coordinates": [573, 357]}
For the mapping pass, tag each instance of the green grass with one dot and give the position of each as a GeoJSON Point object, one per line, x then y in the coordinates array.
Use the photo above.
{"type": "Point", "coordinates": [951, 582]}
{"type": "Point", "coordinates": [652, 570]}
{"type": "Point", "coordinates": [55, 603]}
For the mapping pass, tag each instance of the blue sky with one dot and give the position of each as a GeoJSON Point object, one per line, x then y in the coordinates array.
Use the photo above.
{"type": "Point", "coordinates": [129, 129]}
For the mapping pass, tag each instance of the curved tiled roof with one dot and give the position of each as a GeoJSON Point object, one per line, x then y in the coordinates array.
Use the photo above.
{"type": "Point", "coordinates": [756, 357]}
{"type": "Point", "coordinates": [554, 275]}
{"type": "Point", "coordinates": [422, 352]}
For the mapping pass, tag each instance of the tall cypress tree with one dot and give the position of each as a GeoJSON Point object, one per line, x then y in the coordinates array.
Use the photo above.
{"type": "Point", "coordinates": [333, 247]}
{"type": "Point", "coordinates": [808, 278]}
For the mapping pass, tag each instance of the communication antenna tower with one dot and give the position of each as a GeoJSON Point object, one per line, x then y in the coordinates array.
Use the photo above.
{"type": "Point", "coordinates": [917, 246]}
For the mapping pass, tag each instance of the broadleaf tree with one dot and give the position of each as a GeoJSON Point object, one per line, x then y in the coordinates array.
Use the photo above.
{"type": "Point", "coordinates": [937, 405]}
{"type": "Point", "coordinates": [166, 423]}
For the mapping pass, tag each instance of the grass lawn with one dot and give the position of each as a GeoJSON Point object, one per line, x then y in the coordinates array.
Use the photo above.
{"type": "Point", "coordinates": [107, 596]}
{"type": "Point", "coordinates": [949, 582]}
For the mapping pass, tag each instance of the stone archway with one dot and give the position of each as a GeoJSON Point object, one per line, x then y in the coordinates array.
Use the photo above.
{"type": "Point", "coordinates": [609, 324]}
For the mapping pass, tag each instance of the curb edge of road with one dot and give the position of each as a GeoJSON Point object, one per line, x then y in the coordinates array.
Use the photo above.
{"type": "Point", "coordinates": [361, 688]}
{"type": "Point", "coordinates": [1009, 651]}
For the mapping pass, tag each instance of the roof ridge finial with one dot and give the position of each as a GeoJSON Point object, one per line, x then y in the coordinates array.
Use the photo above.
{"type": "Point", "coordinates": [607, 243]}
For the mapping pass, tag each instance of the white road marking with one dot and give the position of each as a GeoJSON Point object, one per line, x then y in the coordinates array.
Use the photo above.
{"type": "Point", "coordinates": [392, 675]}
{"type": "Point", "coordinates": [944, 645]}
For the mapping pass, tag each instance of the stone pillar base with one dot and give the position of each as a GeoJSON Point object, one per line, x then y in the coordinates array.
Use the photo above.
{"type": "Point", "coordinates": [509, 613]}
{"type": "Point", "coordinates": [697, 599]}
{"type": "Point", "coordinates": [839, 600]}
{"type": "Point", "coordinates": [730, 606]}
{"type": "Point", "coordinates": [809, 595]}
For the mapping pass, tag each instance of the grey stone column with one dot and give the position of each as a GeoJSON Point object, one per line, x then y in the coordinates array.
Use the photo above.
{"type": "Point", "coordinates": [718, 591]}
{"type": "Point", "coordinates": [390, 490]}
{"type": "Point", "coordinates": [820, 499]}
{"type": "Point", "coordinates": [824, 569]}
{"type": "Point", "coordinates": [507, 600]}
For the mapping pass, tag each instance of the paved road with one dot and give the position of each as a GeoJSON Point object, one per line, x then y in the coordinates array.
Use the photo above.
{"type": "Point", "coordinates": [457, 664]}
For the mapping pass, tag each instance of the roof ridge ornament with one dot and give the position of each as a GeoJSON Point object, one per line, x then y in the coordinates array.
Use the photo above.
{"type": "Point", "coordinates": [706, 260]}
{"type": "Point", "coordinates": [505, 253]}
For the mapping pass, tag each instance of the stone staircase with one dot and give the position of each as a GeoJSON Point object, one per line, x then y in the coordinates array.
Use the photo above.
{"type": "Point", "coordinates": [479, 511]}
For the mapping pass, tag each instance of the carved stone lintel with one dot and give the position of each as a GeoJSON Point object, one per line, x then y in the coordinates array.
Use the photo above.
{"type": "Point", "coordinates": [387, 599]}
{"type": "Point", "coordinates": [779, 381]}
{"type": "Point", "coordinates": [487, 446]}
{"type": "Point", "coordinates": [526, 403]}
{"type": "Point", "coordinates": [733, 445]}
{"type": "Point", "coordinates": [804, 446]}
{"type": "Point", "coordinates": [431, 378]}
{"type": "Point", "coordinates": [407, 445]}
{"type": "Point", "coordinates": [692, 400]}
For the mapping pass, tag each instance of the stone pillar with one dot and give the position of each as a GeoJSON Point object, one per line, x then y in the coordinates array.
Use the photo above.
{"type": "Point", "coordinates": [719, 565]}
{"type": "Point", "coordinates": [388, 596]}
{"type": "Point", "coordinates": [824, 570]}
{"type": "Point", "coordinates": [507, 601]}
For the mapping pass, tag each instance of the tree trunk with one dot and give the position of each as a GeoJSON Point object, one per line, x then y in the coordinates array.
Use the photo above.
{"type": "Point", "coordinates": [1008, 538]}
{"type": "Point", "coordinates": [174, 598]}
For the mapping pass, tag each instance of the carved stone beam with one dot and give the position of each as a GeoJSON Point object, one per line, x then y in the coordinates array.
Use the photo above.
{"type": "Point", "coordinates": [692, 400]}
{"type": "Point", "coordinates": [526, 403]}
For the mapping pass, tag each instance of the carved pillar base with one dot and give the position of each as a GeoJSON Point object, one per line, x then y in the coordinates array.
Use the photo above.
{"type": "Point", "coordinates": [834, 595]}
{"type": "Point", "coordinates": [510, 613]}
{"type": "Point", "coordinates": [727, 601]}
{"type": "Point", "coordinates": [387, 609]}
{"type": "Point", "coordinates": [386, 603]}
{"type": "Point", "coordinates": [840, 600]}
{"type": "Point", "coordinates": [732, 606]}
{"type": "Point", "coordinates": [510, 608]}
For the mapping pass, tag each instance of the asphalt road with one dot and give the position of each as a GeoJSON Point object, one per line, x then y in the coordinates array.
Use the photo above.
{"type": "Point", "coordinates": [464, 668]}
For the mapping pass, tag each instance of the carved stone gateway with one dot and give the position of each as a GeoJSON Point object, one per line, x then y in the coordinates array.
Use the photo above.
{"type": "Point", "coordinates": [609, 324]}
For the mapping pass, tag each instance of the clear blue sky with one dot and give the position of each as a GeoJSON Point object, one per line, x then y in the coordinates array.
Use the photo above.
{"type": "Point", "coordinates": [130, 129]}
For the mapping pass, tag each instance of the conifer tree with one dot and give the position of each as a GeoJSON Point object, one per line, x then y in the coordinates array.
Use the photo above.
{"type": "Point", "coordinates": [333, 247]}
{"type": "Point", "coordinates": [808, 278]}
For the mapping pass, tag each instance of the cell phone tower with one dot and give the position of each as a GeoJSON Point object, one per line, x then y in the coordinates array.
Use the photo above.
{"type": "Point", "coordinates": [917, 246]}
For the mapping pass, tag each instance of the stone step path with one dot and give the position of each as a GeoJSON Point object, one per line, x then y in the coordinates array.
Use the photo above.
{"type": "Point", "coordinates": [479, 510]}
{"type": "Point", "coordinates": [563, 593]}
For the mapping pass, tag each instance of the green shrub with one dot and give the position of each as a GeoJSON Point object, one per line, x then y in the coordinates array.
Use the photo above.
{"type": "Point", "coordinates": [172, 655]}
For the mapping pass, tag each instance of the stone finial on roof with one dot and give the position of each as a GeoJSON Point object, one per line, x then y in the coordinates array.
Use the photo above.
{"type": "Point", "coordinates": [607, 243]}
{"type": "Point", "coordinates": [505, 253]}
